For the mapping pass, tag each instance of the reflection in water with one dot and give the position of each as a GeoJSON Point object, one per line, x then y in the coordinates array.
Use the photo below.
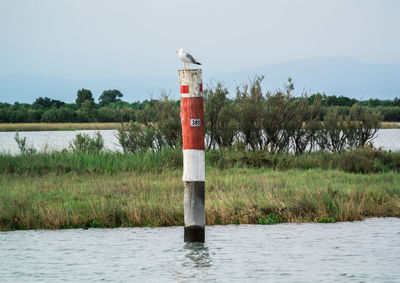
{"type": "Point", "coordinates": [198, 253]}
{"type": "Point", "coordinates": [195, 263]}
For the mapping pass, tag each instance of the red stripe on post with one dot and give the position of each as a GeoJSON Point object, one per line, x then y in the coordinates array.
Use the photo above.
{"type": "Point", "coordinates": [184, 89]}
{"type": "Point", "coordinates": [192, 119]}
{"type": "Point", "coordinates": [201, 87]}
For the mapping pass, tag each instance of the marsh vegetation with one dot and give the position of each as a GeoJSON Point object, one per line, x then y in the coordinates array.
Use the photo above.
{"type": "Point", "coordinates": [271, 158]}
{"type": "Point", "coordinates": [237, 195]}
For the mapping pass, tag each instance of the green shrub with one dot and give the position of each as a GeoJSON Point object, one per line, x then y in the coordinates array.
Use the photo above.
{"type": "Point", "coordinates": [23, 146]}
{"type": "Point", "coordinates": [83, 143]}
{"type": "Point", "coordinates": [327, 219]}
{"type": "Point", "coordinates": [269, 220]}
{"type": "Point", "coordinates": [137, 138]}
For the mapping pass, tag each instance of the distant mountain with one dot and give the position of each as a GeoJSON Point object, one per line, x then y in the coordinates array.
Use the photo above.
{"type": "Point", "coordinates": [334, 76]}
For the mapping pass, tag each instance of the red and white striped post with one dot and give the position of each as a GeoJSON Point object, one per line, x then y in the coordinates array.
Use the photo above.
{"type": "Point", "coordinates": [192, 119]}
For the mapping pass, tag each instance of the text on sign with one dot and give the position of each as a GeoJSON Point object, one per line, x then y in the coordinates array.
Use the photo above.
{"type": "Point", "coordinates": [195, 122]}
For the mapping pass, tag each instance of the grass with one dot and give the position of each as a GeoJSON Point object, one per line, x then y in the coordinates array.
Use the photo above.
{"type": "Point", "coordinates": [269, 220]}
{"type": "Point", "coordinates": [364, 160]}
{"type": "Point", "coordinates": [70, 190]}
{"type": "Point", "coordinates": [13, 127]}
{"type": "Point", "coordinates": [236, 195]}
{"type": "Point", "coordinates": [62, 162]}
{"type": "Point", "coordinates": [390, 125]}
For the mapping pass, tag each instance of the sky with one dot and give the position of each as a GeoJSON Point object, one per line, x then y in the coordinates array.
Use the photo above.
{"type": "Point", "coordinates": [96, 38]}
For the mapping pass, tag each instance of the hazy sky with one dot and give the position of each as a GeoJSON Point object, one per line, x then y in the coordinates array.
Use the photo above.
{"type": "Point", "coordinates": [83, 39]}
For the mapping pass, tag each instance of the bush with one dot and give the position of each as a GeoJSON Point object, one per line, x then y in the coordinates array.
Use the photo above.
{"type": "Point", "coordinates": [362, 124]}
{"type": "Point", "coordinates": [250, 103]}
{"type": "Point", "coordinates": [168, 129]}
{"type": "Point", "coordinates": [83, 143]}
{"type": "Point", "coordinates": [135, 137]}
{"type": "Point", "coordinates": [23, 146]}
{"type": "Point", "coordinates": [327, 219]}
{"type": "Point", "coordinates": [269, 220]}
{"type": "Point", "coordinates": [389, 114]}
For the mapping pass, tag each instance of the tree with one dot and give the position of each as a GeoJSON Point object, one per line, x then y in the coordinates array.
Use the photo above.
{"type": "Point", "coordinates": [227, 126]}
{"type": "Point", "coordinates": [169, 124]}
{"type": "Point", "coordinates": [214, 100]}
{"type": "Point", "coordinates": [373, 102]}
{"type": "Point", "coordinates": [47, 103]}
{"type": "Point", "coordinates": [396, 101]}
{"type": "Point", "coordinates": [250, 104]}
{"type": "Point", "coordinates": [283, 118]}
{"type": "Point", "coordinates": [84, 95]}
{"type": "Point", "coordinates": [366, 124]}
{"type": "Point", "coordinates": [109, 96]}
{"type": "Point", "coordinates": [333, 133]}
{"type": "Point", "coordinates": [86, 113]}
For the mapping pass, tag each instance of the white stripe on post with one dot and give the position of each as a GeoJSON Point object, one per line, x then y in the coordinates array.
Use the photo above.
{"type": "Point", "coordinates": [193, 165]}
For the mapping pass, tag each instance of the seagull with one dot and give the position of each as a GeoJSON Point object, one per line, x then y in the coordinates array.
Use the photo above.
{"type": "Point", "coordinates": [186, 58]}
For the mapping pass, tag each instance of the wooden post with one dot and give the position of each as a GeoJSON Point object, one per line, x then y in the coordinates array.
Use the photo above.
{"type": "Point", "coordinates": [192, 119]}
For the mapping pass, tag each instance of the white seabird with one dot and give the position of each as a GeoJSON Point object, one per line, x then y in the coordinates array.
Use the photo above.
{"type": "Point", "coordinates": [186, 58]}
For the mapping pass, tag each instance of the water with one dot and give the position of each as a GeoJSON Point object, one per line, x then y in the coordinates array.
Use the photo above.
{"type": "Point", "coordinates": [367, 251]}
{"type": "Point", "coordinates": [54, 140]}
{"type": "Point", "coordinates": [388, 139]}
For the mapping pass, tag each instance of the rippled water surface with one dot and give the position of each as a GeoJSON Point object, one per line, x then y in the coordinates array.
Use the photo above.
{"type": "Point", "coordinates": [367, 251]}
{"type": "Point", "coordinates": [388, 139]}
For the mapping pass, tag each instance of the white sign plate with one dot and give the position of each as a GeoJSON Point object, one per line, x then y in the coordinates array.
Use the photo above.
{"type": "Point", "coordinates": [195, 122]}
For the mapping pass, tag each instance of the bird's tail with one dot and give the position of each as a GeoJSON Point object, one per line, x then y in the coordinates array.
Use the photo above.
{"type": "Point", "coordinates": [197, 63]}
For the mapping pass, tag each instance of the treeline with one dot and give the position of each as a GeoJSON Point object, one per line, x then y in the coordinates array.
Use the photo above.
{"type": "Point", "coordinates": [112, 109]}
{"type": "Point", "coordinates": [272, 121]}
{"type": "Point", "coordinates": [109, 109]}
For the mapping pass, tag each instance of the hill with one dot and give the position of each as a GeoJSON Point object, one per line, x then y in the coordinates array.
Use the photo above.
{"type": "Point", "coordinates": [334, 76]}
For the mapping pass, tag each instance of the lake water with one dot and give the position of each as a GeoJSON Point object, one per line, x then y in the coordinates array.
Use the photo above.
{"type": "Point", "coordinates": [388, 139]}
{"type": "Point", "coordinates": [367, 251]}
{"type": "Point", "coordinates": [54, 140]}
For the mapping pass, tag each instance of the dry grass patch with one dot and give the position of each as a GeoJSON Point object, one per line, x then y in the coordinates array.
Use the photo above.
{"type": "Point", "coordinates": [13, 127]}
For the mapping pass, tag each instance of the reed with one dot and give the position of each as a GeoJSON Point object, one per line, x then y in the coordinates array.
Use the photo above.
{"type": "Point", "coordinates": [390, 125]}
{"type": "Point", "coordinates": [61, 162]}
{"type": "Point", "coordinates": [237, 195]}
{"type": "Point", "coordinates": [363, 160]}
{"type": "Point", "coordinates": [13, 127]}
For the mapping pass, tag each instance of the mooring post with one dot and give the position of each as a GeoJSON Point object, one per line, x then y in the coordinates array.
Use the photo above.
{"type": "Point", "coordinates": [192, 119]}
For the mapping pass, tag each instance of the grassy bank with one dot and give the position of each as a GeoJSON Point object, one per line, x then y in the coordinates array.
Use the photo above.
{"type": "Point", "coordinates": [21, 127]}
{"type": "Point", "coordinates": [66, 190]}
{"type": "Point", "coordinates": [237, 195]}
{"type": "Point", "coordinates": [390, 125]}
{"type": "Point", "coordinates": [13, 127]}
{"type": "Point", "coordinates": [364, 160]}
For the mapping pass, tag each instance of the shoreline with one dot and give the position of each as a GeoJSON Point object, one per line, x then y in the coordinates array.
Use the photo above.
{"type": "Point", "coordinates": [29, 127]}
{"type": "Point", "coordinates": [366, 219]}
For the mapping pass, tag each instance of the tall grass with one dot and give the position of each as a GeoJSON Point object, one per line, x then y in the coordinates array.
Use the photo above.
{"type": "Point", "coordinates": [237, 195]}
{"type": "Point", "coordinates": [364, 160]}
{"type": "Point", "coordinates": [390, 125]}
{"type": "Point", "coordinates": [361, 160]}
{"type": "Point", "coordinates": [13, 127]}
{"type": "Point", "coordinates": [104, 162]}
